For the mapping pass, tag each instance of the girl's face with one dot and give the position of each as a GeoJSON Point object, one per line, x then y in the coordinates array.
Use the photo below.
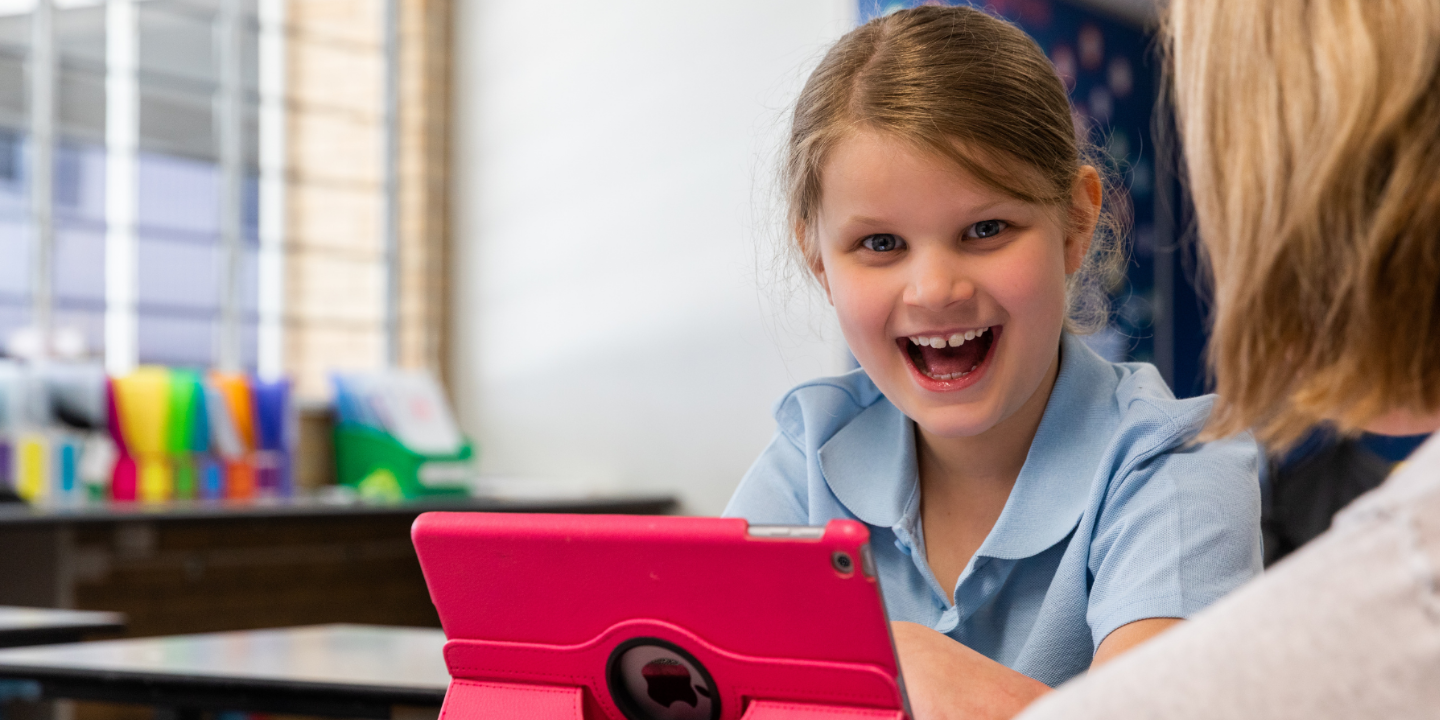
{"type": "Point", "coordinates": [950, 294]}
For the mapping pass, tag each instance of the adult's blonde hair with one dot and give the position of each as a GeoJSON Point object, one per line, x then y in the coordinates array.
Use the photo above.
{"type": "Point", "coordinates": [973, 90]}
{"type": "Point", "coordinates": [1311, 131]}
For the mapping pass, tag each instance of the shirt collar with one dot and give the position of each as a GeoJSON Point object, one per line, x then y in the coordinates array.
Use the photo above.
{"type": "Point", "coordinates": [871, 468]}
{"type": "Point", "coordinates": [870, 465]}
{"type": "Point", "coordinates": [1054, 484]}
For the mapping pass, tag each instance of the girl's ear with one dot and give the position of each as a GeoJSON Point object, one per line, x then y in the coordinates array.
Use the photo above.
{"type": "Point", "coordinates": [812, 259]}
{"type": "Point", "coordinates": [1085, 201]}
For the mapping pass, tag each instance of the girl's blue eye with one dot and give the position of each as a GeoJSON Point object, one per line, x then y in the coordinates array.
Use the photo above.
{"type": "Point", "coordinates": [883, 242]}
{"type": "Point", "coordinates": [986, 228]}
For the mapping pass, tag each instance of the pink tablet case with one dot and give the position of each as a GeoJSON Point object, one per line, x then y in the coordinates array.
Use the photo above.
{"type": "Point", "coordinates": [541, 609]}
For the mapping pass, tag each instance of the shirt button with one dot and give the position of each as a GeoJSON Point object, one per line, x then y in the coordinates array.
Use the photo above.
{"type": "Point", "coordinates": [948, 621]}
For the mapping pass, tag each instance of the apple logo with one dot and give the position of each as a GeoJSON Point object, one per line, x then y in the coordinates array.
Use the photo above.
{"type": "Point", "coordinates": [668, 682]}
{"type": "Point", "coordinates": [654, 679]}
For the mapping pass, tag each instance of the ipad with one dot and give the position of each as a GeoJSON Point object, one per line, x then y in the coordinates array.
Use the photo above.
{"type": "Point", "coordinates": [658, 618]}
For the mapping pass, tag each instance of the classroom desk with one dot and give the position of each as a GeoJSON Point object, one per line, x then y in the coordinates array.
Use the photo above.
{"type": "Point", "coordinates": [353, 671]}
{"type": "Point", "coordinates": [16, 515]}
{"type": "Point", "coordinates": [181, 568]}
{"type": "Point", "coordinates": [44, 626]}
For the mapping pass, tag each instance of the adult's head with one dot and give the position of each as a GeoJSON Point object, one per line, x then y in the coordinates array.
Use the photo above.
{"type": "Point", "coordinates": [1311, 131]}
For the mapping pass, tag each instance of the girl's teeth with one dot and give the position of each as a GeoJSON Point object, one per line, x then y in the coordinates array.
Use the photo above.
{"type": "Point", "coordinates": [953, 376]}
{"type": "Point", "coordinates": [955, 340]}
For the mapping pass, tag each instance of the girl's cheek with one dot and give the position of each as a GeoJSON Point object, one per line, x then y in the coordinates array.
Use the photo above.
{"type": "Point", "coordinates": [1034, 281]}
{"type": "Point", "coordinates": [851, 309]}
{"type": "Point", "coordinates": [861, 308]}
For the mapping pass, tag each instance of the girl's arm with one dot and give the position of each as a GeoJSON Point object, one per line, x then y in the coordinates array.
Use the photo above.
{"type": "Point", "coordinates": [946, 679]}
{"type": "Point", "coordinates": [1126, 637]}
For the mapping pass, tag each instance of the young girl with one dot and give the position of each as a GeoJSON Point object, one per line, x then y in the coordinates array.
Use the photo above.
{"type": "Point", "coordinates": [1045, 508]}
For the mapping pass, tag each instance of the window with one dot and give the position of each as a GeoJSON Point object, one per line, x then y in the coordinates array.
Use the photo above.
{"type": "Point", "coordinates": [233, 183]}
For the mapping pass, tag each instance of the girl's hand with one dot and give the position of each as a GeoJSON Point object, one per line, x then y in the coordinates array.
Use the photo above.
{"type": "Point", "coordinates": [948, 681]}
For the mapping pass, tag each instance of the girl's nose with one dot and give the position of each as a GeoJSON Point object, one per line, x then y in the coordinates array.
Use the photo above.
{"type": "Point", "coordinates": [935, 286]}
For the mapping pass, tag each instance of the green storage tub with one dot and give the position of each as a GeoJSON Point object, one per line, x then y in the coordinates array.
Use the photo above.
{"type": "Point", "coordinates": [381, 468]}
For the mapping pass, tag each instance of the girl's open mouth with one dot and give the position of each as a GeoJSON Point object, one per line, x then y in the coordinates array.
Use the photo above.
{"type": "Point", "coordinates": [949, 362]}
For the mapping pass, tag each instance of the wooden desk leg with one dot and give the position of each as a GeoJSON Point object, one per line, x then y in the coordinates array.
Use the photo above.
{"type": "Point", "coordinates": [413, 712]}
{"type": "Point", "coordinates": [25, 700]}
{"type": "Point", "coordinates": [178, 713]}
{"type": "Point", "coordinates": [33, 567]}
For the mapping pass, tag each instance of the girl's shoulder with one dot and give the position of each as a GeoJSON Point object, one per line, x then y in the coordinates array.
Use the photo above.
{"type": "Point", "coordinates": [817, 409]}
{"type": "Point", "coordinates": [1129, 402]}
{"type": "Point", "coordinates": [803, 477]}
{"type": "Point", "coordinates": [1147, 408]}
{"type": "Point", "coordinates": [1119, 423]}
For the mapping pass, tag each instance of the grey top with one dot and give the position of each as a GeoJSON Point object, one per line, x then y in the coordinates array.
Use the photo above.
{"type": "Point", "coordinates": [1347, 627]}
{"type": "Point", "coordinates": [337, 657]}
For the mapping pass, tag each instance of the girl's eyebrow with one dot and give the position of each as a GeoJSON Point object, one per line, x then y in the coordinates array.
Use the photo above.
{"type": "Point", "coordinates": [978, 209]}
{"type": "Point", "coordinates": [864, 220]}
{"type": "Point", "coordinates": [999, 202]}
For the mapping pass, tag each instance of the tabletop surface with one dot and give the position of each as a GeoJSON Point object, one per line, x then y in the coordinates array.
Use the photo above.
{"type": "Point", "coordinates": [368, 657]}
{"type": "Point", "coordinates": [28, 619]}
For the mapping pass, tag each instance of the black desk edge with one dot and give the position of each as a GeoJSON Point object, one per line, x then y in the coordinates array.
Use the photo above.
{"type": "Point", "coordinates": [201, 693]}
{"type": "Point", "coordinates": [56, 634]}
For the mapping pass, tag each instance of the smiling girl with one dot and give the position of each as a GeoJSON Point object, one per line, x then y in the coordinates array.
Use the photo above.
{"type": "Point", "coordinates": [1043, 507]}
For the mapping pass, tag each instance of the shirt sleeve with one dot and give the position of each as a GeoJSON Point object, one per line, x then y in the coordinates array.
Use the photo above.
{"type": "Point", "coordinates": [773, 490]}
{"type": "Point", "coordinates": [1178, 531]}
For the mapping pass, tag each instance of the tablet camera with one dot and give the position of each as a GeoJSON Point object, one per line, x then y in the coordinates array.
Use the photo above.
{"type": "Point", "coordinates": [651, 679]}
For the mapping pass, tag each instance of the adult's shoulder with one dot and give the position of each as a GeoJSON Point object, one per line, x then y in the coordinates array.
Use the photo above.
{"type": "Point", "coordinates": [813, 411]}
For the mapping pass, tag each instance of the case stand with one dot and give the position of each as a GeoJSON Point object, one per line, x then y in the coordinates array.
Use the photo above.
{"type": "Point", "coordinates": [771, 710]}
{"type": "Point", "coordinates": [478, 700]}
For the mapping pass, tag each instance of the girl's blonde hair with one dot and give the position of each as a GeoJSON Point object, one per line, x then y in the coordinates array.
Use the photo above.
{"type": "Point", "coordinates": [968, 88]}
{"type": "Point", "coordinates": [1311, 130]}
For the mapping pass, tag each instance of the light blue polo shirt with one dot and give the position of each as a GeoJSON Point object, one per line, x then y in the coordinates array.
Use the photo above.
{"type": "Point", "coordinates": [1114, 517]}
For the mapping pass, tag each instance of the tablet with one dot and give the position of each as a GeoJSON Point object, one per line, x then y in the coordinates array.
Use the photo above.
{"type": "Point", "coordinates": [658, 618]}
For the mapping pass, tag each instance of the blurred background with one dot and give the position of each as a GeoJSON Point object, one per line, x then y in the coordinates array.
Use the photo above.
{"type": "Point", "coordinates": [277, 275]}
{"type": "Point", "coordinates": [562, 212]}
{"type": "Point", "coordinates": [619, 315]}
